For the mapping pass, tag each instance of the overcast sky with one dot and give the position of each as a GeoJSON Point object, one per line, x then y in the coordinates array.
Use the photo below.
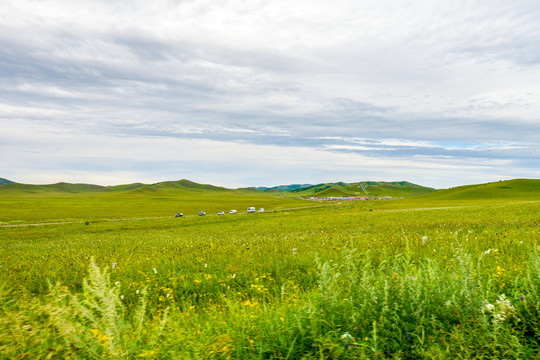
{"type": "Point", "coordinates": [261, 93]}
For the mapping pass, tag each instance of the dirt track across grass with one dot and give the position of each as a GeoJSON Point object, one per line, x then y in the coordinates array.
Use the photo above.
{"type": "Point", "coordinates": [152, 217]}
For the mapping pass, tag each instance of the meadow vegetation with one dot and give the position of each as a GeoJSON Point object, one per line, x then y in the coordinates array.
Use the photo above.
{"type": "Point", "coordinates": [334, 282]}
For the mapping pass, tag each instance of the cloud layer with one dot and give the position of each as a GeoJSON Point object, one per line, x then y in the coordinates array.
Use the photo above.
{"type": "Point", "coordinates": [239, 93]}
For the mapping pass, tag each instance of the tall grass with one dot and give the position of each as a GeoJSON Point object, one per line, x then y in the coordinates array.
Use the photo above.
{"type": "Point", "coordinates": [362, 307]}
{"type": "Point", "coordinates": [324, 283]}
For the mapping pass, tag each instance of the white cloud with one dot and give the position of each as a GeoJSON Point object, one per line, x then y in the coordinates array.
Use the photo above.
{"type": "Point", "coordinates": [385, 86]}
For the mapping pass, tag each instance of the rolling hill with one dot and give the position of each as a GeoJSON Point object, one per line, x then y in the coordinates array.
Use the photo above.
{"type": "Point", "coordinates": [61, 187]}
{"type": "Point", "coordinates": [509, 189]}
{"type": "Point", "coordinates": [366, 188]}
{"type": "Point", "coordinates": [137, 188]}
{"type": "Point", "coordinates": [282, 188]}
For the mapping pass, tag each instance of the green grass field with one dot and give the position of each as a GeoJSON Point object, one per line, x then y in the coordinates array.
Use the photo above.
{"type": "Point", "coordinates": [455, 276]}
{"type": "Point", "coordinates": [82, 202]}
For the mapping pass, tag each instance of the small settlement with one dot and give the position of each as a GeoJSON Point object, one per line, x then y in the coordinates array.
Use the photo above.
{"type": "Point", "coordinates": [348, 198]}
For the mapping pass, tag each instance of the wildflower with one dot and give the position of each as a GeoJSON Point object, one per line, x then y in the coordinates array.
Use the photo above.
{"type": "Point", "coordinates": [347, 337]}
{"type": "Point", "coordinates": [505, 309]}
{"type": "Point", "coordinates": [424, 240]}
{"type": "Point", "coordinates": [114, 265]}
{"type": "Point", "coordinates": [155, 271]}
{"type": "Point", "coordinates": [294, 251]}
{"type": "Point", "coordinates": [136, 292]}
{"type": "Point", "coordinates": [487, 252]}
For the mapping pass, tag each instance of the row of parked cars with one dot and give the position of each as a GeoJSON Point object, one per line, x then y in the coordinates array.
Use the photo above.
{"type": "Point", "coordinates": [202, 213]}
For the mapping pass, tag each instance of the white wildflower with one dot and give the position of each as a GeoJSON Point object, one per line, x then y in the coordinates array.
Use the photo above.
{"type": "Point", "coordinates": [347, 337]}
{"type": "Point", "coordinates": [487, 252]}
{"type": "Point", "coordinates": [424, 240]}
{"type": "Point", "coordinates": [114, 265]}
{"type": "Point", "coordinates": [505, 309]}
{"type": "Point", "coordinates": [502, 311]}
{"type": "Point", "coordinates": [155, 271]}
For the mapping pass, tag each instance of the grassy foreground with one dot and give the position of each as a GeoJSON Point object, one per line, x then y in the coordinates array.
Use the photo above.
{"type": "Point", "coordinates": [335, 282]}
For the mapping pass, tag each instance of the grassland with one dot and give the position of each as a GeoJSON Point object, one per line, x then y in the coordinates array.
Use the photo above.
{"type": "Point", "coordinates": [21, 203]}
{"type": "Point", "coordinates": [457, 279]}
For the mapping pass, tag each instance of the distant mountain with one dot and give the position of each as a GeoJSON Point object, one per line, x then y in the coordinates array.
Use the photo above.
{"type": "Point", "coordinates": [5, 181]}
{"type": "Point", "coordinates": [365, 188]}
{"type": "Point", "coordinates": [186, 184]}
{"type": "Point", "coordinates": [180, 185]}
{"type": "Point", "coordinates": [510, 189]}
{"type": "Point", "coordinates": [282, 188]}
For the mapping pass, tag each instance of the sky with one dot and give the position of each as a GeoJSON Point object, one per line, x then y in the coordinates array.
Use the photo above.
{"type": "Point", "coordinates": [242, 93]}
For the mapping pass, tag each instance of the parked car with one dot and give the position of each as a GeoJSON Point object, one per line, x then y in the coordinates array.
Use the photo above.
{"type": "Point", "coordinates": [232, 212]}
{"type": "Point", "coordinates": [179, 215]}
{"type": "Point", "coordinates": [202, 213]}
{"type": "Point", "coordinates": [221, 213]}
{"type": "Point", "coordinates": [251, 209]}
{"type": "Point", "coordinates": [261, 210]}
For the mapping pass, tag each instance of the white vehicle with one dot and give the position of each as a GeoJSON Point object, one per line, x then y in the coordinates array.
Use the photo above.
{"type": "Point", "coordinates": [261, 210]}
{"type": "Point", "coordinates": [232, 212]}
{"type": "Point", "coordinates": [251, 209]}
{"type": "Point", "coordinates": [221, 213]}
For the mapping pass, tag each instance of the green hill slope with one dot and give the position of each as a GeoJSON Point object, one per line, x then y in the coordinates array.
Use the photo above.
{"type": "Point", "coordinates": [136, 188]}
{"type": "Point", "coordinates": [187, 185]}
{"type": "Point", "coordinates": [337, 191]}
{"type": "Point", "coordinates": [374, 188]}
{"type": "Point", "coordinates": [510, 189]}
{"type": "Point", "coordinates": [61, 187]}
{"type": "Point", "coordinates": [396, 188]}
